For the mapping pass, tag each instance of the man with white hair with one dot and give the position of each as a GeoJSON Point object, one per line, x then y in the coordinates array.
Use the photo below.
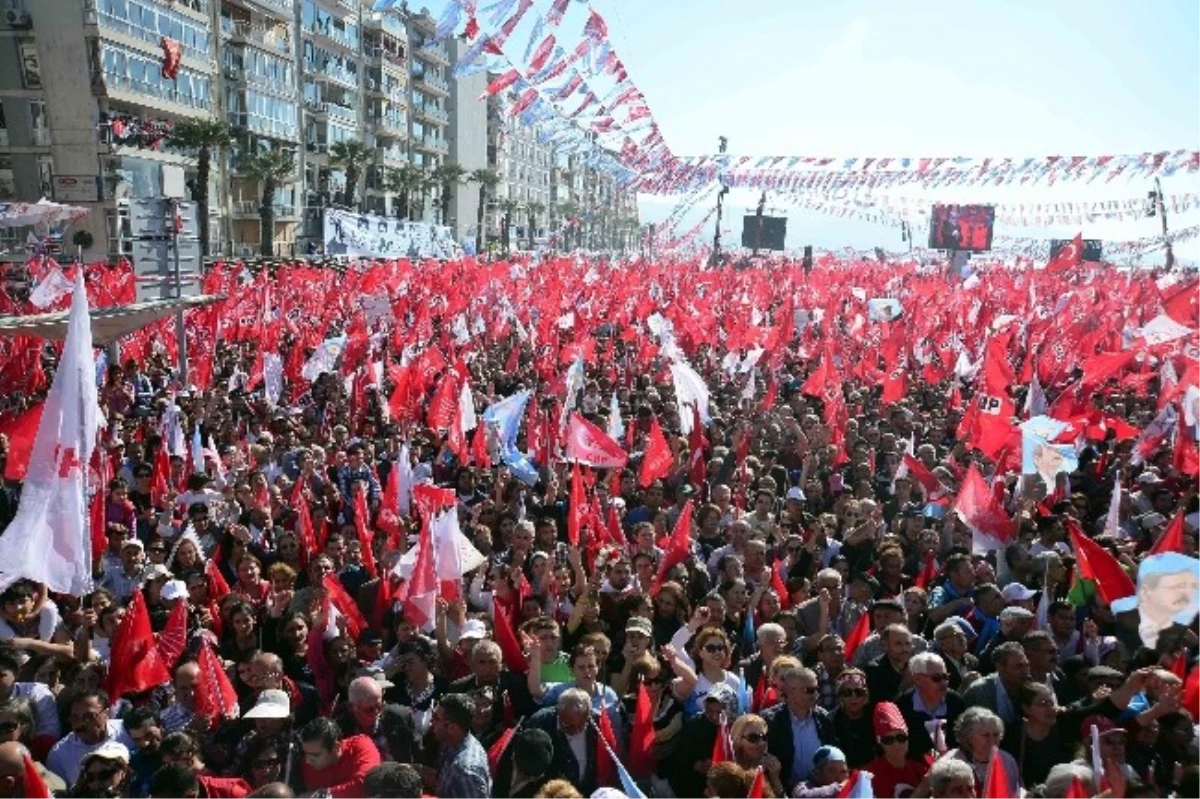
{"type": "Point", "coordinates": [772, 642]}
{"type": "Point", "coordinates": [951, 778]}
{"type": "Point", "coordinates": [930, 708]}
{"type": "Point", "coordinates": [389, 725]}
{"type": "Point", "coordinates": [573, 735]}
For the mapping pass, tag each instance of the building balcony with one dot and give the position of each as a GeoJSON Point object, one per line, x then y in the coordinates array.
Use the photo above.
{"type": "Point", "coordinates": [391, 60]}
{"type": "Point", "coordinates": [106, 85]}
{"type": "Point", "coordinates": [431, 144]}
{"type": "Point", "coordinates": [390, 23]}
{"type": "Point", "coordinates": [390, 125]}
{"type": "Point", "coordinates": [332, 74]}
{"type": "Point", "coordinates": [249, 209]}
{"type": "Point", "coordinates": [434, 54]}
{"type": "Point", "coordinates": [335, 37]}
{"type": "Point", "coordinates": [431, 83]}
{"type": "Point", "coordinates": [276, 8]}
{"type": "Point", "coordinates": [393, 155]}
{"type": "Point", "coordinates": [277, 39]}
{"type": "Point", "coordinates": [432, 113]}
{"type": "Point", "coordinates": [271, 128]}
{"type": "Point", "coordinates": [342, 113]}
{"type": "Point", "coordinates": [396, 93]}
{"type": "Point", "coordinates": [40, 137]}
{"type": "Point", "coordinates": [106, 21]}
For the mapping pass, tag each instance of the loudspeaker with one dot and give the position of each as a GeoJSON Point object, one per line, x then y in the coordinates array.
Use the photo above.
{"type": "Point", "coordinates": [807, 257]}
{"type": "Point", "coordinates": [770, 236]}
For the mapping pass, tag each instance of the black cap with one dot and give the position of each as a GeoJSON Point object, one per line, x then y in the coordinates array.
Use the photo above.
{"type": "Point", "coordinates": [533, 751]}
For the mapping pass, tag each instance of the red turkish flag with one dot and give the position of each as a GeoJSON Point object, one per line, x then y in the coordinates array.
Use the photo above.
{"type": "Point", "coordinates": [978, 507]}
{"type": "Point", "coordinates": [345, 605]}
{"type": "Point", "coordinates": [172, 56]}
{"type": "Point", "coordinates": [697, 445]}
{"type": "Point", "coordinates": [136, 665]}
{"type": "Point", "coordinates": [587, 444]}
{"type": "Point", "coordinates": [21, 432]}
{"type": "Point", "coordinates": [577, 507]}
{"type": "Point", "coordinates": [640, 760]}
{"type": "Point", "coordinates": [1098, 565]}
{"type": "Point", "coordinates": [1171, 540]}
{"type": "Point", "coordinates": [862, 629]}
{"type": "Point", "coordinates": [361, 518]}
{"type": "Point", "coordinates": [657, 459]}
{"type": "Point", "coordinates": [678, 548]}
{"type": "Point", "coordinates": [1070, 256]}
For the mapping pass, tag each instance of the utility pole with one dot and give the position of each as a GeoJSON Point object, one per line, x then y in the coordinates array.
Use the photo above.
{"type": "Point", "coordinates": [1160, 206]}
{"type": "Point", "coordinates": [762, 202]}
{"type": "Point", "coordinates": [722, 144]}
{"type": "Point", "coordinates": [176, 222]}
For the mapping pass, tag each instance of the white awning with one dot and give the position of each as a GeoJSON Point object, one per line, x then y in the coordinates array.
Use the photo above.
{"type": "Point", "coordinates": [108, 324]}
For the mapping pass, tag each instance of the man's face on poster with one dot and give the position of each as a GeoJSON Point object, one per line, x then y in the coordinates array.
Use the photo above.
{"type": "Point", "coordinates": [1048, 461]}
{"type": "Point", "coordinates": [1168, 595]}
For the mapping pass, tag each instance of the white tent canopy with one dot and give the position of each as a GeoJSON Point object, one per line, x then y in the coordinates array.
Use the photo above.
{"type": "Point", "coordinates": [43, 212]}
{"type": "Point", "coordinates": [108, 324]}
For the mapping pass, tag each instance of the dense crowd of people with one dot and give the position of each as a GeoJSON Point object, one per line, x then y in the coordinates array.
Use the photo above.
{"type": "Point", "coordinates": [787, 601]}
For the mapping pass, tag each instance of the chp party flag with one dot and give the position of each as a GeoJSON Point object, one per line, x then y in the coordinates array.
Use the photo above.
{"type": "Point", "coordinates": [48, 541]}
{"type": "Point", "coordinates": [587, 444]}
{"type": "Point", "coordinates": [980, 510]}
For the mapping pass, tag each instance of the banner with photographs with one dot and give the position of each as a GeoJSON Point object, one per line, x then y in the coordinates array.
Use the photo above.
{"type": "Point", "coordinates": [369, 236]}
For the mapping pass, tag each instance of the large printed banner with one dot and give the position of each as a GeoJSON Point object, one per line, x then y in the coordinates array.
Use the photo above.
{"type": "Point", "coordinates": [370, 236]}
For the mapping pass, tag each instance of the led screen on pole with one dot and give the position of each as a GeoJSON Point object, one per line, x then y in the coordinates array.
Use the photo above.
{"type": "Point", "coordinates": [961, 227]}
{"type": "Point", "coordinates": [771, 236]}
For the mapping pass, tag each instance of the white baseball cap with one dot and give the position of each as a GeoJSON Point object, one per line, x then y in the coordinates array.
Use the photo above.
{"type": "Point", "coordinates": [109, 750]}
{"type": "Point", "coordinates": [175, 589]}
{"type": "Point", "coordinates": [1016, 592]}
{"type": "Point", "coordinates": [473, 628]}
{"type": "Point", "coordinates": [794, 493]}
{"type": "Point", "coordinates": [271, 704]}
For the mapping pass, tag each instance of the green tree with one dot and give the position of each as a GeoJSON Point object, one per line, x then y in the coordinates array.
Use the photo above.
{"type": "Point", "coordinates": [488, 180]}
{"type": "Point", "coordinates": [448, 175]}
{"type": "Point", "coordinates": [534, 208]}
{"type": "Point", "coordinates": [406, 181]}
{"type": "Point", "coordinates": [204, 137]}
{"type": "Point", "coordinates": [352, 157]}
{"type": "Point", "coordinates": [509, 207]}
{"type": "Point", "coordinates": [568, 211]}
{"type": "Point", "coordinates": [267, 168]}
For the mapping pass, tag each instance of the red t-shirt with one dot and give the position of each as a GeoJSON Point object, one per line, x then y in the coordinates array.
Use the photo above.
{"type": "Point", "coordinates": [345, 777]}
{"type": "Point", "coordinates": [223, 787]}
{"type": "Point", "coordinates": [888, 780]}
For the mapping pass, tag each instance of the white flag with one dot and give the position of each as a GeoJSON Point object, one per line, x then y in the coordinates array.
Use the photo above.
{"type": "Point", "coordinates": [54, 286]}
{"type": "Point", "coordinates": [1112, 522]}
{"type": "Point", "coordinates": [272, 378]}
{"type": "Point", "coordinates": [405, 471]}
{"type": "Point", "coordinates": [466, 408]}
{"type": "Point", "coordinates": [48, 541]}
{"type": "Point", "coordinates": [690, 389]}
{"type": "Point", "coordinates": [616, 427]}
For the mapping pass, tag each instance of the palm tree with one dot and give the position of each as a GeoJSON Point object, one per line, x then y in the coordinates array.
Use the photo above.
{"type": "Point", "coordinates": [534, 208]}
{"type": "Point", "coordinates": [352, 157]}
{"type": "Point", "coordinates": [204, 137]}
{"type": "Point", "coordinates": [509, 207]}
{"type": "Point", "coordinates": [569, 210]}
{"type": "Point", "coordinates": [448, 174]}
{"type": "Point", "coordinates": [268, 167]}
{"type": "Point", "coordinates": [406, 181]}
{"type": "Point", "coordinates": [488, 180]}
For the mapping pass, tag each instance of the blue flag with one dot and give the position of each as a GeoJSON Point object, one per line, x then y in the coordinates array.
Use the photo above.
{"type": "Point", "coordinates": [505, 416]}
{"type": "Point", "coordinates": [522, 468]}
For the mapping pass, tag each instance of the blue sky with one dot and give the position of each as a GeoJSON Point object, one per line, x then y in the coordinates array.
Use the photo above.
{"type": "Point", "coordinates": [818, 77]}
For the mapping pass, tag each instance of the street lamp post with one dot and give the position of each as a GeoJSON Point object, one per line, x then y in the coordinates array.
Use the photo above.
{"type": "Point", "coordinates": [722, 143]}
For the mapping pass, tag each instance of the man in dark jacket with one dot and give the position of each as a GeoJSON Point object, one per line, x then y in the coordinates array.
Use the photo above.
{"type": "Point", "coordinates": [799, 727]}
{"type": "Point", "coordinates": [929, 708]}
{"type": "Point", "coordinates": [570, 731]}
{"type": "Point", "coordinates": [390, 726]}
{"type": "Point", "coordinates": [530, 767]}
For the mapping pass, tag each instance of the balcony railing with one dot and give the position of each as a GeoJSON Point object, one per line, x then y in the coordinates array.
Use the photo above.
{"type": "Point", "coordinates": [342, 112]}
{"type": "Point", "coordinates": [393, 122]}
{"type": "Point", "coordinates": [272, 38]}
{"type": "Point", "coordinates": [334, 74]}
{"type": "Point", "coordinates": [434, 52]}
{"type": "Point", "coordinates": [336, 36]}
{"type": "Point", "coordinates": [250, 208]}
{"type": "Point", "coordinates": [432, 112]}
{"type": "Point", "coordinates": [390, 56]}
{"type": "Point", "coordinates": [432, 81]}
{"type": "Point", "coordinates": [161, 91]}
{"type": "Point", "coordinates": [40, 138]}
{"type": "Point", "coordinates": [287, 7]}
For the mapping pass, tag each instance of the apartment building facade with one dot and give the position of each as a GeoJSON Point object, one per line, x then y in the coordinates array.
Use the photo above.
{"type": "Point", "coordinates": [85, 112]}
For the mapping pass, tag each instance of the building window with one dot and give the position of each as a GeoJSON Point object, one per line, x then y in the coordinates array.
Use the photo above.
{"type": "Point", "coordinates": [39, 125]}
{"type": "Point", "coordinates": [31, 70]}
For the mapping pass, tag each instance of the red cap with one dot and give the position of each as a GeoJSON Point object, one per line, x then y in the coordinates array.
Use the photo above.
{"type": "Point", "coordinates": [888, 719]}
{"type": "Point", "coordinates": [1103, 724]}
